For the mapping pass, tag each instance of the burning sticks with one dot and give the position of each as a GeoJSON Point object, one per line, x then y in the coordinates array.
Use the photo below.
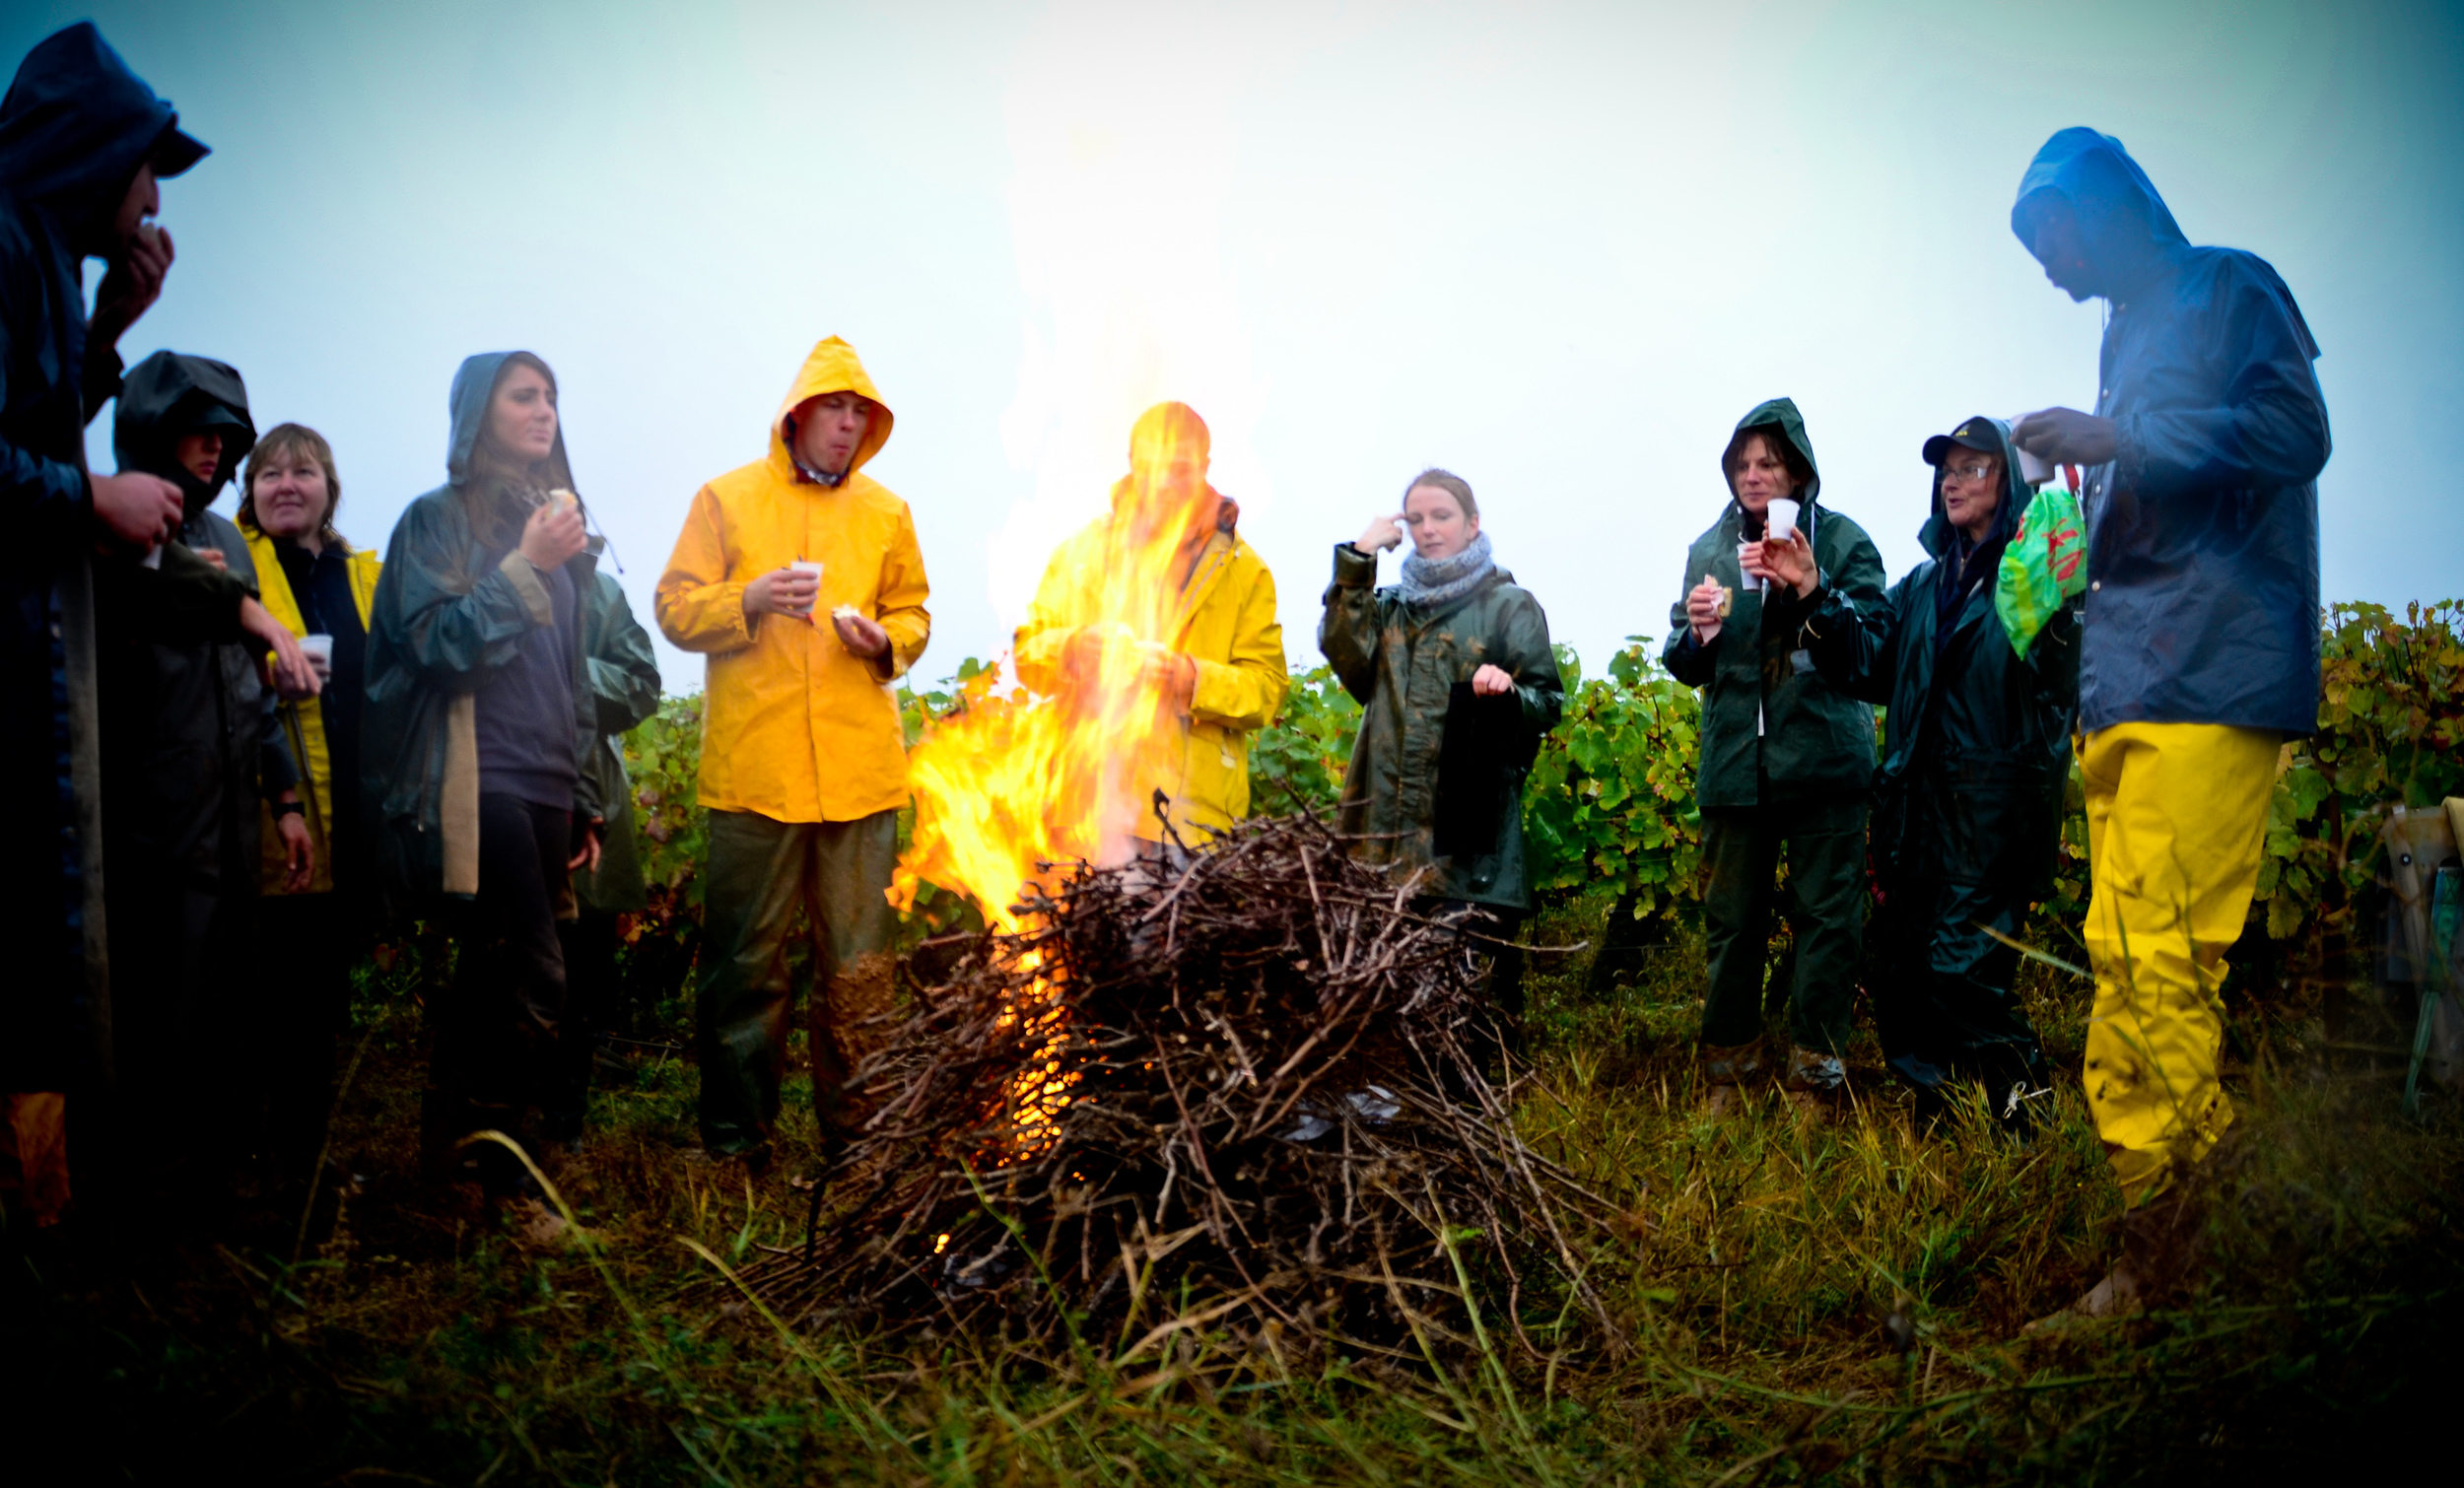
{"type": "Point", "coordinates": [1243, 1095]}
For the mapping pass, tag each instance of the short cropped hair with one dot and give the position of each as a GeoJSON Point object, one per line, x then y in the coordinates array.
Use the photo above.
{"type": "Point", "coordinates": [281, 444]}
{"type": "Point", "coordinates": [1450, 483]}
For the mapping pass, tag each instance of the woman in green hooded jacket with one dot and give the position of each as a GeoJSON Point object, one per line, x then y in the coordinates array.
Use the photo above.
{"type": "Point", "coordinates": [1455, 635]}
{"type": "Point", "coordinates": [1786, 760]}
{"type": "Point", "coordinates": [479, 716]}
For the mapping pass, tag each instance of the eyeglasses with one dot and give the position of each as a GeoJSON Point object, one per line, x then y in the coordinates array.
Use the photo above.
{"type": "Point", "coordinates": [1970, 470]}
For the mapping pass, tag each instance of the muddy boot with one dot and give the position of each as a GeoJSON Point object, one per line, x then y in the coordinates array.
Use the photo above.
{"type": "Point", "coordinates": [1816, 1084]}
{"type": "Point", "coordinates": [1725, 1070]}
{"type": "Point", "coordinates": [2163, 1242]}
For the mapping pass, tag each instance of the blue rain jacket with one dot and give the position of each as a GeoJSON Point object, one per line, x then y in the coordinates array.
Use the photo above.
{"type": "Point", "coordinates": [2202, 602]}
{"type": "Point", "coordinates": [74, 127]}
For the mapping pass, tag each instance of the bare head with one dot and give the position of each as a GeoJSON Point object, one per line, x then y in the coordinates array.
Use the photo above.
{"type": "Point", "coordinates": [292, 487]}
{"type": "Point", "coordinates": [1440, 514]}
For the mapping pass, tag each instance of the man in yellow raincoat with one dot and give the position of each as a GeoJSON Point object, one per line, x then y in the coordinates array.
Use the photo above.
{"type": "Point", "coordinates": [799, 576]}
{"type": "Point", "coordinates": [1160, 621]}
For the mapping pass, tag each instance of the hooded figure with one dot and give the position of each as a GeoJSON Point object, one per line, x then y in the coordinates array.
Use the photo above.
{"type": "Point", "coordinates": [2200, 653]}
{"type": "Point", "coordinates": [478, 713]}
{"type": "Point", "coordinates": [1785, 758]}
{"type": "Point", "coordinates": [1967, 803]}
{"type": "Point", "coordinates": [74, 127]}
{"type": "Point", "coordinates": [191, 738]}
{"type": "Point", "coordinates": [191, 755]}
{"type": "Point", "coordinates": [1167, 562]}
{"type": "Point", "coordinates": [803, 758]}
{"type": "Point", "coordinates": [2203, 532]}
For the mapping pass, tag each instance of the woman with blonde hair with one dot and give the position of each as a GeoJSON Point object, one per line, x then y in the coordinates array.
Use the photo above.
{"type": "Point", "coordinates": [321, 589]}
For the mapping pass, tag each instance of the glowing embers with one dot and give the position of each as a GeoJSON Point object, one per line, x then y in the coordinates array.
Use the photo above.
{"type": "Point", "coordinates": [1041, 1091]}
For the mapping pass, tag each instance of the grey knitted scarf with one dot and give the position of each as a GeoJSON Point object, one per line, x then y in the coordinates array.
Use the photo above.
{"type": "Point", "coordinates": [1432, 582]}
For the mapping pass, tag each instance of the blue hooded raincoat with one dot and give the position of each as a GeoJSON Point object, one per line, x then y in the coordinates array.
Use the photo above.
{"type": "Point", "coordinates": [2203, 601]}
{"type": "Point", "coordinates": [74, 127]}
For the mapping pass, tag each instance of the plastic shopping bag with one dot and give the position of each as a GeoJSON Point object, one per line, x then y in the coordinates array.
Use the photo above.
{"type": "Point", "coordinates": [2045, 566]}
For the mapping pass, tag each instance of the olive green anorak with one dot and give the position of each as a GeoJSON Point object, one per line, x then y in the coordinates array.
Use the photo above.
{"type": "Point", "coordinates": [1401, 662]}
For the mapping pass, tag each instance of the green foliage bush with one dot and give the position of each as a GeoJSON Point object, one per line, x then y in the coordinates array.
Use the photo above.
{"type": "Point", "coordinates": [1610, 800]}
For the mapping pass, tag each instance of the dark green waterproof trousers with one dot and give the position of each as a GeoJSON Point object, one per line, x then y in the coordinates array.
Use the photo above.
{"type": "Point", "coordinates": [1825, 840]}
{"type": "Point", "coordinates": [761, 873]}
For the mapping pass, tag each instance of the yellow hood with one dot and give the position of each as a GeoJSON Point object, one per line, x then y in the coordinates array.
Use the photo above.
{"type": "Point", "coordinates": [832, 367]}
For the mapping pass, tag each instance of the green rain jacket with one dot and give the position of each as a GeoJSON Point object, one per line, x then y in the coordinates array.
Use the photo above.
{"type": "Point", "coordinates": [624, 684]}
{"type": "Point", "coordinates": [1980, 731]}
{"type": "Point", "coordinates": [451, 610]}
{"type": "Point", "coordinates": [1401, 666]}
{"type": "Point", "coordinates": [1768, 717]}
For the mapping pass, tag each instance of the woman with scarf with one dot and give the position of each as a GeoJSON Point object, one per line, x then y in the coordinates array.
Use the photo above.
{"type": "Point", "coordinates": [1967, 804]}
{"type": "Point", "coordinates": [477, 717]}
{"type": "Point", "coordinates": [1457, 683]}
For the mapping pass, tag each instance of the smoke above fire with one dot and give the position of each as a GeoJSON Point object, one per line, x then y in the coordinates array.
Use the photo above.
{"type": "Point", "coordinates": [1122, 161]}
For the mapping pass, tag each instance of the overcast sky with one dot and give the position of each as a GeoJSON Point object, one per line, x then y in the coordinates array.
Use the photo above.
{"type": "Point", "coordinates": [1556, 248]}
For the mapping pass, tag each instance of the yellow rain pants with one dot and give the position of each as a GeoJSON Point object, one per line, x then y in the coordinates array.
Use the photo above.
{"type": "Point", "coordinates": [2176, 816]}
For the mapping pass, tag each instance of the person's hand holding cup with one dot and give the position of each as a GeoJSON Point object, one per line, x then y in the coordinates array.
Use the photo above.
{"type": "Point", "coordinates": [1750, 567]}
{"type": "Point", "coordinates": [792, 590]}
{"type": "Point", "coordinates": [319, 651]}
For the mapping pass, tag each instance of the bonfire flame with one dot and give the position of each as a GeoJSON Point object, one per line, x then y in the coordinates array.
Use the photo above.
{"type": "Point", "coordinates": [1013, 791]}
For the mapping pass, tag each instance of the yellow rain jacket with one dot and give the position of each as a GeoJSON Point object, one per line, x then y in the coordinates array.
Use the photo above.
{"type": "Point", "coordinates": [794, 726]}
{"type": "Point", "coordinates": [303, 724]}
{"type": "Point", "coordinates": [1225, 623]}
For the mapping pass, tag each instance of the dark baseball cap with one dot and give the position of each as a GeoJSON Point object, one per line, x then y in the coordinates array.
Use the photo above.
{"type": "Point", "coordinates": [1976, 433]}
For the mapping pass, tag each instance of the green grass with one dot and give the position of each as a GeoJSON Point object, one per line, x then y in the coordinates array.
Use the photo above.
{"type": "Point", "coordinates": [1755, 1264]}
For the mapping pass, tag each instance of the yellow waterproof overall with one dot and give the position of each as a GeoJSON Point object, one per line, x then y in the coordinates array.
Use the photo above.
{"type": "Point", "coordinates": [2176, 817]}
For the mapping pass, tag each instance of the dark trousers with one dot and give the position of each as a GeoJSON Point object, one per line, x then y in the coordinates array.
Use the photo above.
{"type": "Point", "coordinates": [301, 1005]}
{"type": "Point", "coordinates": [762, 873]}
{"type": "Point", "coordinates": [1825, 841]}
{"type": "Point", "coordinates": [493, 1052]}
{"type": "Point", "coordinates": [184, 959]}
{"type": "Point", "coordinates": [1960, 868]}
{"type": "Point", "coordinates": [1944, 1007]}
{"type": "Point", "coordinates": [589, 940]}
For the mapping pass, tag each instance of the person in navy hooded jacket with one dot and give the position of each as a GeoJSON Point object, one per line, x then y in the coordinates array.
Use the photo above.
{"type": "Point", "coordinates": [83, 141]}
{"type": "Point", "coordinates": [2200, 652]}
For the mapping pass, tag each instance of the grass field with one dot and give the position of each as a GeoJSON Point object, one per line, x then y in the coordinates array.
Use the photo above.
{"type": "Point", "coordinates": [1796, 1302]}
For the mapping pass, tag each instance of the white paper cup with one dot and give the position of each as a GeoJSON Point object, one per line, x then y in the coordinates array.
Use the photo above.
{"type": "Point", "coordinates": [2033, 471]}
{"type": "Point", "coordinates": [1781, 517]}
{"type": "Point", "coordinates": [808, 566]}
{"type": "Point", "coordinates": [1747, 583]}
{"type": "Point", "coordinates": [319, 649]}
